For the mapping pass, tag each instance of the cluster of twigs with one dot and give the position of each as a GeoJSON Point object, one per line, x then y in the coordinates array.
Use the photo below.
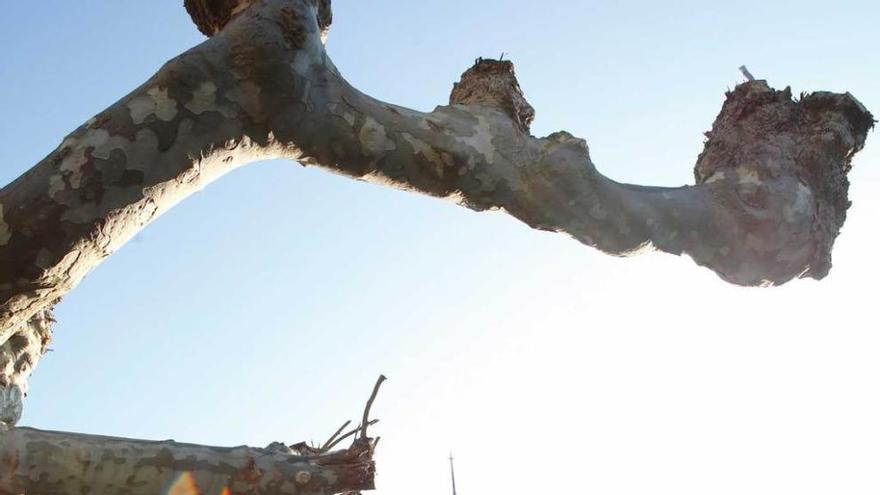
{"type": "Point", "coordinates": [359, 432]}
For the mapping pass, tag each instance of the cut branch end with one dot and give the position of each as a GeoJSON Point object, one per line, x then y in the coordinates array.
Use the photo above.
{"type": "Point", "coordinates": [493, 83]}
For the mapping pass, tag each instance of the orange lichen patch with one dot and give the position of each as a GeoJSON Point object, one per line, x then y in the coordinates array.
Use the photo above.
{"type": "Point", "coordinates": [185, 484]}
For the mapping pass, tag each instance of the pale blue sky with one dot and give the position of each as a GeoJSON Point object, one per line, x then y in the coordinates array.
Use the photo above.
{"type": "Point", "coordinates": [264, 307]}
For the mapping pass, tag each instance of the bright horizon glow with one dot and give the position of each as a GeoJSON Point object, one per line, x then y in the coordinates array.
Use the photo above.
{"type": "Point", "coordinates": [264, 308]}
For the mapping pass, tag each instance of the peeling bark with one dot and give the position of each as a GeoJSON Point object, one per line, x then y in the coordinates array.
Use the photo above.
{"type": "Point", "coordinates": [53, 463]}
{"type": "Point", "coordinates": [770, 196]}
{"type": "Point", "coordinates": [769, 199]}
{"type": "Point", "coordinates": [18, 357]}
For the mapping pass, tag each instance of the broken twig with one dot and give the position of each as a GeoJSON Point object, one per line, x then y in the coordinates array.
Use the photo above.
{"type": "Point", "coordinates": [366, 420]}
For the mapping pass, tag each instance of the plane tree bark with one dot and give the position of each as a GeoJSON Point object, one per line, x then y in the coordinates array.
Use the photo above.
{"type": "Point", "coordinates": [769, 199]}
{"type": "Point", "coordinates": [54, 463]}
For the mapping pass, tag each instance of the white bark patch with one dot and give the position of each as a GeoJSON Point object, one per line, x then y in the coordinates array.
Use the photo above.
{"type": "Point", "coordinates": [155, 102]}
{"type": "Point", "coordinates": [101, 143]}
{"type": "Point", "coordinates": [11, 401]}
{"type": "Point", "coordinates": [202, 99]}
{"type": "Point", "coordinates": [373, 138]}
{"type": "Point", "coordinates": [5, 234]}
{"type": "Point", "coordinates": [456, 197]}
{"type": "Point", "coordinates": [242, 5]}
{"type": "Point", "coordinates": [56, 184]}
{"type": "Point", "coordinates": [73, 165]}
{"type": "Point", "coordinates": [719, 175]}
{"type": "Point", "coordinates": [481, 141]}
{"type": "Point", "coordinates": [69, 141]}
{"type": "Point", "coordinates": [748, 176]}
{"type": "Point", "coordinates": [643, 248]}
{"type": "Point", "coordinates": [432, 124]}
{"type": "Point", "coordinates": [104, 144]}
{"type": "Point", "coordinates": [7, 362]}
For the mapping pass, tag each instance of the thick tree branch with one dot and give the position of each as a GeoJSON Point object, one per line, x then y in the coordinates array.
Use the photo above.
{"type": "Point", "coordinates": [769, 200]}
{"type": "Point", "coordinates": [46, 462]}
{"type": "Point", "coordinates": [56, 463]}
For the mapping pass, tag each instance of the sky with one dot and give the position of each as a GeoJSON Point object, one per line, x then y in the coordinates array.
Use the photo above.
{"type": "Point", "coordinates": [264, 307]}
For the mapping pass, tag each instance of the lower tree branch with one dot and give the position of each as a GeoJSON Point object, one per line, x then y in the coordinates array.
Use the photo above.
{"type": "Point", "coordinates": [55, 463]}
{"type": "Point", "coordinates": [46, 462]}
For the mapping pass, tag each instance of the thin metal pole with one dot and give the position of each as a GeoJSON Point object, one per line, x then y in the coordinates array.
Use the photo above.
{"type": "Point", "coordinates": [452, 471]}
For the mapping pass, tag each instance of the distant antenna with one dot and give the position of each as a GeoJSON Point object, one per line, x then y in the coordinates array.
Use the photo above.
{"type": "Point", "coordinates": [452, 471]}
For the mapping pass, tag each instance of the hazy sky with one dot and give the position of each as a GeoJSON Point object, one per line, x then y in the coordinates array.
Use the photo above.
{"type": "Point", "coordinates": [265, 307]}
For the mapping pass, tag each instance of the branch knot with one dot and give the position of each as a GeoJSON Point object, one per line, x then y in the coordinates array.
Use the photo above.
{"type": "Point", "coordinates": [210, 16]}
{"type": "Point", "coordinates": [493, 83]}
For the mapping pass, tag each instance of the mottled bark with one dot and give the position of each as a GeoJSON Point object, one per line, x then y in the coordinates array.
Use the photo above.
{"type": "Point", "coordinates": [38, 462]}
{"type": "Point", "coordinates": [769, 200]}
{"type": "Point", "coordinates": [18, 357]}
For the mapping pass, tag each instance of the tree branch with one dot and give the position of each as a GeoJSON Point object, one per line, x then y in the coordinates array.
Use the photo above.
{"type": "Point", "coordinates": [769, 200]}
{"type": "Point", "coordinates": [46, 462]}
{"type": "Point", "coordinates": [365, 421]}
{"type": "Point", "coordinates": [330, 441]}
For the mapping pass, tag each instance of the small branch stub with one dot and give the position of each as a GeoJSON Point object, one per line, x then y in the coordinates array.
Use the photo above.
{"type": "Point", "coordinates": [366, 419]}
{"type": "Point", "coordinates": [303, 477]}
{"type": "Point", "coordinates": [325, 17]}
{"type": "Point", "coordinates": [745, 72]}
{"type": "Point", "coordinates": [210, 16]}
{"type": "Point", "coordinates": [493, 83]}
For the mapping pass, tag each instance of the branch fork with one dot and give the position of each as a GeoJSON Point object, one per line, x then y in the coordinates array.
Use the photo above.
{"type": "Point", "coordinates": [769, 200]}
